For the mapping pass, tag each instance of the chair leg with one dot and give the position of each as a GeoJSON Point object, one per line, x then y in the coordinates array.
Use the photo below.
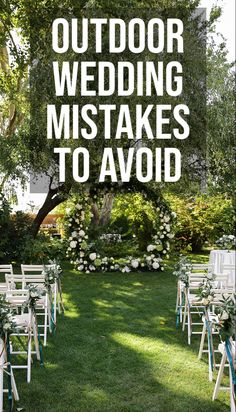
{"type": "Point", "coordinates": [36, 341]}
{"type": "Point", "coordinates": [189, 326]}
{"type": "Point", "coordinates": [29, 358]}
{"type": "Point", "coordinates": [184, 317]}
{"type": "Point", "coordinates": [55, 303]}
{"type": "Point", "coordinates": [45, 329]}
{"type": "Point", "coordinates": [14, 388]}
{"type": "Point", "coordinates": [232, 398]}
{"type": "Point", "coordinates": [202, 341]}
{"type": "Point", "coordinates": [1, 375]}
{"type": "Point", "coordinates": [219, 377]}
{"type": "Point", "coordinates": [177, 299]}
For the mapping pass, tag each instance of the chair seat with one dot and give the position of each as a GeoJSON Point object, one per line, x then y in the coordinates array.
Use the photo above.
{"type": "Point", "coordinates": [22, 320]}
{"type": "Point", "coordinates": [221, 348]}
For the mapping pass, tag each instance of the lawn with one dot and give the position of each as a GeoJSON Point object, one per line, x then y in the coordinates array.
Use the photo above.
{"type": "Point", "coordinates": [117, 349]}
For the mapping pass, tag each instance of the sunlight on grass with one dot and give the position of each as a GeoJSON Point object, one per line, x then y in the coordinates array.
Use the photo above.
{"type": "Point", "coordinates": [95, 394]}
{"type": "Point", "coordinates": [102, 303]}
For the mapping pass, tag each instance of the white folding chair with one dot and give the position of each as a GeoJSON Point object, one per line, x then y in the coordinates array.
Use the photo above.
{"type": "Point", "coordinates": [218, 387]}
{"type": "Point", "coordinates": [26, 325]}
{"type": "Point", "coordinates": [5, 366]}
{"type": "Point", "coordinates": [193, 306]}
{"type": "Point", "coordinates": [5, 269]}
{"type": "Point", "coordinates": [42, 306]}
{"type": "Point", "coordinates": [209, 319]}
{"type": "Point", "coordinates": [33, 269]}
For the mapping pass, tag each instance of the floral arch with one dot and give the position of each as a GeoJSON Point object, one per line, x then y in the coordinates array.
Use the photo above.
{"type": "Point", "coordinates": [84, 256]}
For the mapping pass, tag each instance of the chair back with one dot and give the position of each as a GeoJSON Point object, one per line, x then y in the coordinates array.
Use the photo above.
{"type": "Point", "coordinates": [6, 269]}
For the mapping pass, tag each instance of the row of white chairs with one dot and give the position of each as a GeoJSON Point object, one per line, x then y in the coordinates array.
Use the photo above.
{"type": "Point", "coordinates": [27, 326]}
{"type": "Point", "coordinates": [188, 305]}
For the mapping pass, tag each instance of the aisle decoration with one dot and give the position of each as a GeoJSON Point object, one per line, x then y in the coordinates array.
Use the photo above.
{"type": "Point", "coordinates": [35, 294]}
{"type": "Point", "coordinates": [52, 274]}
{"type": "Point", "coordinates": [182, 270]}
{"type": "Point", "coordinates": [226, 326]}
{"type": "Point", "coordinates": [84, 256]}
{"type": "Point", "coordinates": [7, 326]}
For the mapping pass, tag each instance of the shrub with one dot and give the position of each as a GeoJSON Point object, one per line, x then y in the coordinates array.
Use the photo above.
{"type": "Point", "coordinates": [201, 219]}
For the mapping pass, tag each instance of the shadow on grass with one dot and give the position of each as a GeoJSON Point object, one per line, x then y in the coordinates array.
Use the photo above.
{"type": "Point", "coordinates": [117, 350]}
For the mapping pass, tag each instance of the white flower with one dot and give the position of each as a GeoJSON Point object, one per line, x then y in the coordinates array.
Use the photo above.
{"type": "Point", "coordinates": [7, 326]}
{"type": "Point", "coordinates": [205, 301]}
{"type": "Point", "coordinates": [168, 228]}
{"type": "Point", "coordinates": [81, 233]}
{"type": "Point", "coordinates": [224, 315]}
{"type": "Point", "coordinates": [126, 269]}
{"type": "Point", "coordinates": [173, 214]}
{"type": "Point", "coordinates": [135, 263]}
{"type": "Point", "coordinates": [210, 298]}
{"type": "Point", "coordinates": [91, 267]}
{"type": "Point", "coordinates": [73, 244]}
{"type": "Point", "coordinates": [155, 265]}
{"type": "Point", "coordinates": [148, 258]}
{"type": "Point", "coordinates": [80, 267]}
{"type": "Point", "coordinates": [166, 218]}
{"type": "Point", "coordinates": [92, 256]}
{"type": "Point", "coordinates": [150, 248]}
{"type": "Point", "coordinates": [74, 234]}
{"type": "Point", "coordinates": [79, 207]}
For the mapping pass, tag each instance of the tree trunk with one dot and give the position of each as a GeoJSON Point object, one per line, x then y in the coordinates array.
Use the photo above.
{"type": "Point", "coordinates": [106, 209]}
{"type": "Point", "coordinates": [96, 214]}
{"type": "Point", "coordinates": [54, 198]}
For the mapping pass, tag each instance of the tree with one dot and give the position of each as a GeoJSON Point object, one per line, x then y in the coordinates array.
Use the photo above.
{"type": "Point", "coordinates": [32, 151]}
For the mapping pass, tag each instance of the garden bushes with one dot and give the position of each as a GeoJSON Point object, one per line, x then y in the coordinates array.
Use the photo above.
{"type": "Point", "coordinates": [201, 219]}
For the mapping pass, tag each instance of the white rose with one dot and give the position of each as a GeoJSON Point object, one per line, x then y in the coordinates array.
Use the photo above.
{"type": "Point", "coordinates": [81, 233]}
{"type": "Point", "coordinates": [166, 218]}
{"type": "Point", "coordinates": [135, 263]}
{"type": "Point", "coordinates": [80, 267]}
{"type": "Point", "coordinates": [73, 244]}
{"type": "Point", "coordinates": [224, 316]}
{"type": "Point", "coordinates": [148, 258]}
{"type": "Point", "coordinates": [7, 326]}
{"type": "Point", "coordinates": [74, 234]}
{"type": "Point", "coordinates": [150, 248]}
{"type": "Point", "coordinates": [205, 301]}
{"type": "Point", "coordinates": [155, 265]}
{"type": "Point", "coordinates": [210, 298]}
{"type": "Point", "coordinates": [92, 256]}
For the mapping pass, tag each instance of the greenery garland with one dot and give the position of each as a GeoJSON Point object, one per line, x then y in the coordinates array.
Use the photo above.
{"type": "Point", "coordinates": [86, 258]}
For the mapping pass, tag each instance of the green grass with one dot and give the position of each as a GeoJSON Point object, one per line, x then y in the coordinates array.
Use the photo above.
{"type": "Point", "coordinates": [117, 349]}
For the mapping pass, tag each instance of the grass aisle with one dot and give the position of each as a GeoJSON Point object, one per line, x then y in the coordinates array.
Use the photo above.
{"type": "Point", "coordinates": [117, 350]}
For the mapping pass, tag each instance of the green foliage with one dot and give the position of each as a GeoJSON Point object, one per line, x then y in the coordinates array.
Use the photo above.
{"type": "Point", "coordinates": [201, 219]}
{"type": "Point", "coordinates": [42, 249]}
{"type": "Point", "coordinates": [17, 244]}
{"type": "Point", "coordinates": [132, 215]}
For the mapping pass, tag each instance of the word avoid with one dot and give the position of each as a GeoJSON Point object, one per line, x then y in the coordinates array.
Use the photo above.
{"type": "Point", "coordinates": [119, 165]}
